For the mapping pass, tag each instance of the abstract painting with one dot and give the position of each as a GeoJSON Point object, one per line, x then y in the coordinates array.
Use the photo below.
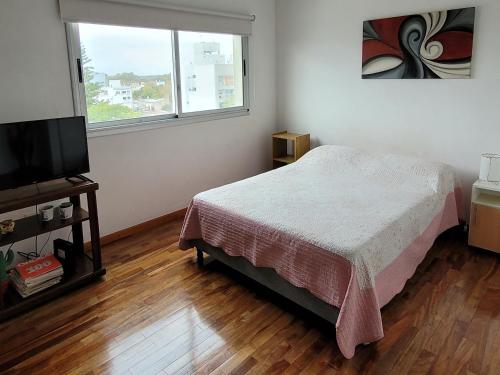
{"type": "Point", "coordinates": [429, 45]}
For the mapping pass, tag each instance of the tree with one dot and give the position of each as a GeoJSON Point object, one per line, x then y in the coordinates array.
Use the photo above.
{"type": "Point", "coordinates": [151, 91]}
{"type": "Point", "coordinates": [92, 89]}
{"type": "Point", "coordinates": [109, 112]}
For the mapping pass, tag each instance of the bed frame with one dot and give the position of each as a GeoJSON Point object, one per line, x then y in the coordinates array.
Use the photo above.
{"type": "Point", "coordinates": [270, 279]}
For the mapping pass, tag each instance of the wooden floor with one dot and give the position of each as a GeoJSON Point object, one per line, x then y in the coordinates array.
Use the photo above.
{"type": "Point", "coordinates": [157, 312]}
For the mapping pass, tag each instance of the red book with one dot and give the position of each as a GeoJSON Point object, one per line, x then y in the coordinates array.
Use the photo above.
{"type": "Point", "coordinates": [37, 267]}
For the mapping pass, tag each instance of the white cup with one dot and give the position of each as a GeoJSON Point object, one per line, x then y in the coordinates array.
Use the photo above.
{"type": "Point", "coordinates": [47, 213]}
{"type": "Point", "coordinates": [66, 210]}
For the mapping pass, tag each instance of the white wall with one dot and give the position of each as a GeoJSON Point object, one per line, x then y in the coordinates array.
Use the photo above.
{"type": "Point", "coordinates": [320, 89]}
{"type": "Point", "coordinates": [146, 174]}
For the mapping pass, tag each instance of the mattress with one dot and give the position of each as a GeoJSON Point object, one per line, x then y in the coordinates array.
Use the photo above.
{"type": "Point", "coordinates": [349, 226]}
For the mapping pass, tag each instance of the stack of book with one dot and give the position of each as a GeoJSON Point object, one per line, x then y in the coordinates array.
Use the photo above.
{"type": "Point", "coordinates": [36, 275]}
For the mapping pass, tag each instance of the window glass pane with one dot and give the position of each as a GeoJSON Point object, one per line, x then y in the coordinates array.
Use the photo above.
{"type": "Point", "coordinates": [211, 71]}
{"type": "Point", "coordinates": [127, 72]}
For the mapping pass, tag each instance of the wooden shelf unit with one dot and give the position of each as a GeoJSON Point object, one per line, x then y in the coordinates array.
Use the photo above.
{"type": "Point", "coordinates": [484, 228]}
{"type": "Point", "coordinates": [301, 144]}
{"type": "Point", "coordinates": [87, 269]}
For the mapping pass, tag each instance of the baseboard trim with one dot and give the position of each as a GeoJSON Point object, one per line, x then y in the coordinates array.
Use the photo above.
{"type": "Point", "coordinates": [127, 232]}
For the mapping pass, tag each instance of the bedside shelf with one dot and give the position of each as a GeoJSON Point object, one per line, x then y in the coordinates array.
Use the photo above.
{"type": "Point", "coordinates": [300, 145]}
{"type": "Point", "coordinates": [287, 136]}
{"type": "Point", "coordinates": [487, 186]}
{"type": "Point", "coordinates": [32, 226]}
{"type": "Point", "coordinates": [285, 159]}
{"type": "Point", "coordinates": [489, 200]}
{"type": "Point", "coordinates": [484, 228]}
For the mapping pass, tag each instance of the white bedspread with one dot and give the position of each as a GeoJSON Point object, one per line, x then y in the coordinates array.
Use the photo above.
{"type": "Point", "coordinates": [365, 207]}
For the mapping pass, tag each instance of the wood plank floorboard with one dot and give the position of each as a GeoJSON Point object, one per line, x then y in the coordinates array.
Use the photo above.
{"type": "Point", "coordinates": [157, 312]}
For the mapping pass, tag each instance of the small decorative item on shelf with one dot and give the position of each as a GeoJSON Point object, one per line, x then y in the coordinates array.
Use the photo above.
{"type": "Point", "coordinates": [47, 213]}
{"type": "Point", "coordinates": [5, 261]}
{"type": "Point", "coordinates": [7, 226]}
{"type": "Point", "coordinates": [66, 210]}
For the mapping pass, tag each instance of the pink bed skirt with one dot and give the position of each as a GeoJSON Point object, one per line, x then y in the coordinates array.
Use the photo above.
{"type": "Point", "coordinates": [326, 275]}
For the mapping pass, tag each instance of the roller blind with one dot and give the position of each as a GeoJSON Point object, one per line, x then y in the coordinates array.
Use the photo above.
{"type": "Point", "coordinates": [154, 15]}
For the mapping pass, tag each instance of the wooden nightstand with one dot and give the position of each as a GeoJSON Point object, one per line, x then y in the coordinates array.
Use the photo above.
{"type": "Point", "coordinates": [301, 145]}
{"type": "Point", "coordinates": [484, 229]}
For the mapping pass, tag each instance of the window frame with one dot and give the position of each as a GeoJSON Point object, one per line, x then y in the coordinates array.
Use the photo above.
{"type": "Point", "coordinates": [178, 117]}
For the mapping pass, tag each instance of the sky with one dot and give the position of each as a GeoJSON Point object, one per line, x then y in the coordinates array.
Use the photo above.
{"type": "Point", "coordinates": [118, 49]}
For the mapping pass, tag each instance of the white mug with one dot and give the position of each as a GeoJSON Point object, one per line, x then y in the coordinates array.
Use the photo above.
{"type": "Point", "coordinates": [47, 213]}
{"type": "Point", "coordinates": [66, 210]}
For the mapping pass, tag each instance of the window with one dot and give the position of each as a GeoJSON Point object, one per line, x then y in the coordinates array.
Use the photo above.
{"type": "Point", "coordinates": [210, 63]}
{"type": "Point", "coordinates": [130, 75]}
{"type": "Point", "coordinates": [125, 69]}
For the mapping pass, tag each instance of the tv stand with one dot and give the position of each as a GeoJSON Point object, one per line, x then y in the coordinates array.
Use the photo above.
{"type": "Point", "coordinates": [78, 178]}
{"type": "Point", "coordinates": [88, 268]}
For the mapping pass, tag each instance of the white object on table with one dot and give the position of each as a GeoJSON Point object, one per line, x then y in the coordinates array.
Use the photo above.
{"type": "Point", "coordinates": [490, 168]}
{"type": "Point", "coordinates": [66, 210]}
{"type": "Point", "coordinates": [47, 213]}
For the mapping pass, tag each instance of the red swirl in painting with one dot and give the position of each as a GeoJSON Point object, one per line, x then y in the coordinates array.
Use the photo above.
{"type": "Point", "coordinates": [427, 45]}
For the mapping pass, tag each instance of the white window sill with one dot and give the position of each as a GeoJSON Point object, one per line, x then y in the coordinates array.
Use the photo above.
{"type": "Point", "coordinates": [163, 123]}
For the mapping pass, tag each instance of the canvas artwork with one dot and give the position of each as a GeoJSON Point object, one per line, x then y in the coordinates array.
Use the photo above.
{"type": "Point", "coordinates": [428, 45]}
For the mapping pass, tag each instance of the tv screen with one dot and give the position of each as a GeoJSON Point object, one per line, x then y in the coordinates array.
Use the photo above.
{"type": "Point", "coordinates": [37, 151]}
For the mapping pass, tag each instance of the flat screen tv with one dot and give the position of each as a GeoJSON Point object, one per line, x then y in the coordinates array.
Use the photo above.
{"type": "Point", "coordinates": [43, 150]}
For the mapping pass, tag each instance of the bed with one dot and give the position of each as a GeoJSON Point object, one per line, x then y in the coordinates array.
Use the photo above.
{"type": "Point", "coordinates": [340, 231]}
